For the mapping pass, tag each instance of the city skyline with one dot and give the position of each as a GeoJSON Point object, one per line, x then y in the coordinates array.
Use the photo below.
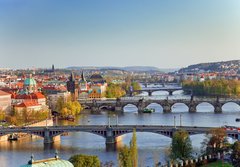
{"type": "Point", "coordinates": [163, 34]}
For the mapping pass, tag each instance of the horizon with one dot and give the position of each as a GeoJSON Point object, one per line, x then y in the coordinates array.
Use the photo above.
{"type": "Point", "coordinates": [161, 34]}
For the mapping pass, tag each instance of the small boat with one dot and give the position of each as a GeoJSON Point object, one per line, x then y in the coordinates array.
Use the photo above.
{"type": "Point", "coordinates": [13, 137]}
{"type": "Point", "coordinates": [148, 110]}
{"type": "Point", "coordinates": [237, 120]}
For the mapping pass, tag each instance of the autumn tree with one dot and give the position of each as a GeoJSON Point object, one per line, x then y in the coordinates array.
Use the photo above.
{"type": "Point", "coordinates": [125, 157]}
{"type": "Point", "coordinates": [114, 91]}
{"type": "Point", "coordinates": [2, 115]}
{"type": "Point", "coordinates": [81, 160]}
{"type": "Point", "coordinates": [235, 157]}
{"type": "Point", "coordinates": [181, 146]}
{"type": "Point", "coordinates": [215, 140]}
{"type": "Point", "coordinates": [134, 149]}
{"type": "Point", "coordinates": [68, 107]}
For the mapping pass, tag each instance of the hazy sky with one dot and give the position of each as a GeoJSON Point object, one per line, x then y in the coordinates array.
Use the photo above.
{"type": "Point", "coordinates": [161, 33]}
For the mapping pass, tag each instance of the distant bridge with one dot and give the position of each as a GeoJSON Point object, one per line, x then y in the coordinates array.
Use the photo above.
{"type": "Point", "coordinates": [160, 84]}
{"type": "Point", "coordinates": [167, 104]}
{"type": "Point", "coordinates": [110, 133]}
{"type": "Point", "coordinates": [151, 90]}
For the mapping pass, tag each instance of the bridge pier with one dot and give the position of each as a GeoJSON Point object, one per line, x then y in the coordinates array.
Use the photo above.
{"type": "Point", "coordinates": [94, 109]}
{"type": "Point", "coordinates": [118, 109]}
{"type": "Point", "coordinates": [110, 139]}
{"type": "Point", "coordinates": [47, 138]}
{"type": "Point", "coordinates": [218, 108]}
{"type": "Point", "coordinates": [149, 93]}
{"type": "Point", "coordinates": [192, 107]}
{"type": "Point", "coordinates": [170, 93]}
{"type": "Point", "coordinates": [167, 108]}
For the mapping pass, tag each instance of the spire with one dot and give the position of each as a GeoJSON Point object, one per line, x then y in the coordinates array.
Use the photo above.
{"type": "Point", "coordinates": [71, 78]}
{"type": "Point", "coordinates": [82, 77]}
{"type": "Point", "coordinates": [53, 68]}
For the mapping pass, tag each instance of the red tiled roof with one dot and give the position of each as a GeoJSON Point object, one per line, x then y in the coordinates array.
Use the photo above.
{"type": "Point", "coordinates": [27, 104]}
{"type": "Point", "coordinates": [37, 95]}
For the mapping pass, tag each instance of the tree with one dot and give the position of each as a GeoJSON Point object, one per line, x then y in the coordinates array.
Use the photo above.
{"type": "Point", "coordinates": [215, 141]}
{"type": "Point", "coordinates": [236, 154]}
{"type": "Point", "coordinates": [181, 146]}
{"type": "Point", "coordinates": [134, 149]}
{"type": "Point", "coordinates": [60, 104]}
{"type": "Point", "coordinates": [2, 115]}
{"type": "Point", "coordinates": [81, 160]}
{"type": "Point", "coordinates": [114, 91]}
{"type": "Point", "coordinates": [69, 107]}
{"type": "Point", "coordinates": [125, 157]}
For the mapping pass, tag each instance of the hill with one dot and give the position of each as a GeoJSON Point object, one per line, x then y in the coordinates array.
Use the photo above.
{"type": "Point", "coordinates": [223, 66]}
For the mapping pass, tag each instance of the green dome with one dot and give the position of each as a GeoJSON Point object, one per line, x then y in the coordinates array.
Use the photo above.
{"type": "Point", "coordinates": [50, 163]}
{"type": "Point", "coordinates": [30, 81]}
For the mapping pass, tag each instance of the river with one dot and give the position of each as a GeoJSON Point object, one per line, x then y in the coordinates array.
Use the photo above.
{"type": "Point", "coordinates": [152, 147]}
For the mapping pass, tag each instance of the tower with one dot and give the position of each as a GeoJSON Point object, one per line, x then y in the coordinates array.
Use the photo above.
{"type": "Point", "coordinates": [72, 86]}
{"type": "Point", "coordinates": [53, 68]}
{"type": "Point", "coordinates": [83, 83]}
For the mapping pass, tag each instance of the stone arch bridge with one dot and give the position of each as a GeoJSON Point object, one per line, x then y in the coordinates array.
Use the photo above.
{"type": "Point", "coordinates": [151, 90]}
{"type": "Point", "coordinates": [110, 133]}
{"type": "Point", "coordinates": [118, 104]}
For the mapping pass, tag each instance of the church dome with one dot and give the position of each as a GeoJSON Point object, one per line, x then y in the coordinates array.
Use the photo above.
{"type": "Point", "coordinates": [30, 81]}
{"type": "Point", "coordinates": [50, 163]}
{"type": "Point", "coordinates": [96, 77]}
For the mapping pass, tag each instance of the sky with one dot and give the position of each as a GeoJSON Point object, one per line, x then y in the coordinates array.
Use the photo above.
{"type": "Point", "coordinates": [160, 33]}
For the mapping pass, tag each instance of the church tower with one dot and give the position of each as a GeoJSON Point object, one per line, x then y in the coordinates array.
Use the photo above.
{"type": "Point", "coordinates": [83, 83]}
{"type": "Point", "coordinates": [72, 86]}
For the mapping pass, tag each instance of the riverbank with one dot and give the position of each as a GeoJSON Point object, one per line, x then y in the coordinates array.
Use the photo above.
{"type": "Point", "coordinates": [22, 136]}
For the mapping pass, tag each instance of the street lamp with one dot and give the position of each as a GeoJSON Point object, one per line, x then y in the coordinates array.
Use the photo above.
{"type": "Point", "coordinates": [174, 118]}
{"type": "Point", "coordinates": [109, 121]}
{"type": "Point", "coordinates": [117, 120]}
{"type": "Point", "coordinates": [180, 119]}
{"type": "Point", "coordinates": [46, 123]}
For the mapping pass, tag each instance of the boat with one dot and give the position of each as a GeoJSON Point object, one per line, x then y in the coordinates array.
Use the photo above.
{"type": "Point", "coordinates": [13, 137]}
{"type": "Point", "coordinates": [237, 120]}
{"type": "Point", "coordinates": [148, 110]}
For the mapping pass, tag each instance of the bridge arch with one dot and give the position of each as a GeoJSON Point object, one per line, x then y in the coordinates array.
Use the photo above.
{"type": "Point", "coordinates": [179, 107]}
{"type": "Point", "coordinates": [160, 92]}
{"type": "Point", "coordinates": [93, 132]}
{"type": "Point", "coordinates": [105, 107]}
{"type": "Point", "coordinates": [230, 106]}
{"type": "Point", "coordinates": [142, 93]}
{"type": "Point", "coordinates": [130, 107]}
{"type": "Point", "coordinates": [162, 133]}
{"type": "Point", "coordinates": [158, 107]}
{"type": "Point", "coordinates": [86, 106]}
{"type": "Point", "coordinates": [205, 107]}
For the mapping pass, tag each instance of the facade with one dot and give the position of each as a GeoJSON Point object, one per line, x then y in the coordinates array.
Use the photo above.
{"type": "Point", "coordinates": [5, 102]}
{"type": "Point", "coordinates": [37, 97]}
{"type": "Point", "coordinates": [28, 106]}
{"type": "Point", "coordinates": [52, 99]}
{"type": "Point", "coordinates": [97, 90]}
{"type": "Point", "coordinates": [94, 89]}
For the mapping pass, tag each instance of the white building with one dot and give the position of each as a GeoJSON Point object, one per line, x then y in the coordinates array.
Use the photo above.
{"type": "Point", "coordinates": [5, 102]}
